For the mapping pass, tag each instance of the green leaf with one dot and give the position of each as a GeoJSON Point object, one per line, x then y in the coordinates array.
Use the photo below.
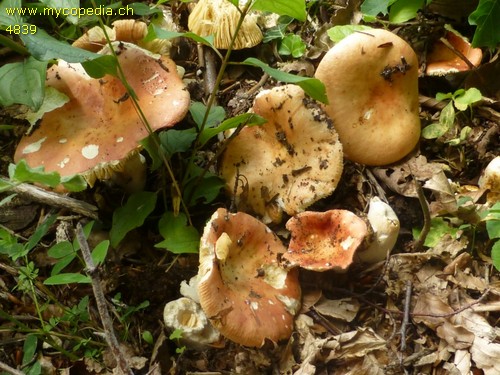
{"type": "Point", "coordinates": [61, 250]}
{"type": "Point", "coordinates": [373, 8]}
{"type": "Point", "coordinates": [64, 4]}
{"type": "Point", "coordinates": [10, 19]}
{"type": "Point", "coordinates": [179, 238]}
{"type": "Point", "coordinates": [337, 33]}
{"type": "Point", "coordinates": [447, 116]}
{"type": "Point", "coordinates": [468, 98]}
{"type": "Point", "coordinates": [434, 131]}
{"type": "Point", "coordinates": [100, 251]}
{"type": "Point", "coordinates": [131, 215]}
{"type": "Point", "coordinates": [278, 31]}
{"type": "Point", "coordinates": [404, 10]}
{"type": "Point", "coordinates": [29, 348]}
{"type": "Point", "coordinates": [215, 116]}
{"type": "Point", "coordinates": [45, 47]}
{"type": "Point", "coordinates": [439, 228]}
{"type": "Point", "coordinates": [176, 334]}
{"type": "Point", "coordinates": [174, 140]}
{"type": "Point", "coordinates": [155, 31]}
{"type": "Point", "coordinates": [247, 119]}
{"type": "Point", "coordinates": [486, 17]}
{"type": "Point", "coordinates": [147, 337]}
{"type": "Point", "coordinates": [141, 9]}
{"type": "Point", "coordinates": [23, 83]}
{"type": "Point", "coordinates": [67, 278]}
{"type": "Point", "coordinates": [292, 45]}
{"type": "Point", "coordinates": [52, 99]}
{"type": "Point", "coordinates": [40, 232]}
{"type": "Point", "coordinates": [292, 8]}
{"type": "Point", "coordinates": [74, 183]}
{"type": "Point", "coordinates": [204, 191]}
{"type": "Point", "coordinates": [100, 66]}
{"type": "Point", "coordinates": [495, 255]}
{"type": "Point", "coordinates": [22, 172]}
{"type": "Point", "coordinates": [440, 96]}
{"type": "Point", "coordinates": [312, 86]}
{"type": "Point", "coordinates": [9, 245]}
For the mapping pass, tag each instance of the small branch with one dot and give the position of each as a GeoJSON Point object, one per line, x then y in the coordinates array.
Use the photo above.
{"type": "Point", "coordinates": [101, 302]}
{"type": "Point", "coordinates": [406, 316]}
{"type": "Point", "coordinates": [53, 199]}
{"type": "Point", "coordinates": [10, 370]}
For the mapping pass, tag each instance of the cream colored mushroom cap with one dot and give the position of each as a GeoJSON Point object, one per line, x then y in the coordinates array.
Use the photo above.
{"type": "Point", "coordinates": [245, 292]}
{"type": "Point", "coordinates": [288, 163]}
{"type": "Point", "coordinates": [219, 18]}
{"type": "Point", "coordinates": [99, 127]}
{"type": "Point", "coordinates": [371, 80]}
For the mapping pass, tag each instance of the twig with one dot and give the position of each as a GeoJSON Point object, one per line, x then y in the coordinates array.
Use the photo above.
{"type": "Point", "coordinates": [10, 370]}
{"type": "Point", "coordinates": [53, 199]}
{"type": "Point", "coordinates": [101, 302]}
{"type": "Point", "coordinates": [406, 316]}
{"type": "Point", "coordinates": [457, 52]}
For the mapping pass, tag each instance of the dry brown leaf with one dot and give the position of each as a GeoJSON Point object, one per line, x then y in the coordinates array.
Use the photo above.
{"type": "Point", "coordinates": [344, 309]}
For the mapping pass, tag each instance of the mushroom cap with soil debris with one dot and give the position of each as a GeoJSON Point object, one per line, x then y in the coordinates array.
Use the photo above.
{"type": "Point", "coordinates": [243, 289]}
{"type": "Point", "coordinates": [371, 80]}
{"type": "Point", "coordinates": [98, 129]}
{"type": "Point", "coordinates": [286, 164]}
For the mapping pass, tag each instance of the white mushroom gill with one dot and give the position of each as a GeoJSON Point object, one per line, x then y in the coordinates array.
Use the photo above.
{"type": "Point", "coordinates": [90, 151]}
{"type": "Point", "coordinates": [34, 147]}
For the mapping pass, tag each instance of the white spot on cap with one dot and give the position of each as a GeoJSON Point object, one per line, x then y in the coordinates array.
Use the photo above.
{"type": "Point", "coordinates": [34, 147]}
{"type": "Point", "coordinates": [368, 114]}
{"type": "Point", "coordinates": [119, 140]}
{"type": "Point", "coordinates": [347, 243]}
{"type": "Point", "coordinates": [152, 78]}
{"type": "Point", "coordinates": [254, 305]}
{"type": "Point", "coordinates": [63, 140]}
{"type": "Point", "coordinates": [63, 163]}
{"type": "Point", "coordinates": [90, 151]}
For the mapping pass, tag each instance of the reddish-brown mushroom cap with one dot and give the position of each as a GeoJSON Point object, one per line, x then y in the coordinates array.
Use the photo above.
{"type": "Point", "coordinates": [99, 127]}
{"type": "Point", "coordinates": [371, 80]}
{"type": "Point", "coordinates": [288, 163]}
{"type": "Point", "coordinates": [247, 295]}
{"type": "Point", "coordinates": [442, 60]}
{"type": "Point", "coordinates": [323, 241]}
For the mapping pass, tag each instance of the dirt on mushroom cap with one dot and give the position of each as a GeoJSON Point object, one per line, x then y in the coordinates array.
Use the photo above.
{"type": "Point", "coordinates": [288, 163]}
{"type": "Point", "coordinates": [99, 126]}
{"type": "Point", "coordinates": [243, 289]}
{"type": "Point", "coordinates": [371, 80]}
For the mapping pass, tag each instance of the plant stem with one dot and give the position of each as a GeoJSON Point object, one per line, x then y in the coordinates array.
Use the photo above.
{"type": "Point", "coordinates": [101, 302]}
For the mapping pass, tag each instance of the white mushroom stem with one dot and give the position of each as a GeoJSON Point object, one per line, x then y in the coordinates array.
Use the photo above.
{"type": "Point", "coordinates": [186, 315]}
{"type": "Point", "coordinates": [385, 225]}
{"type": "Point", "coordinates": [490, 178]}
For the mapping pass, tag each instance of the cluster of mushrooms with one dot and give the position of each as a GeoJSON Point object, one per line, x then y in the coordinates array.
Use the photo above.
{"type": "Point", "coordinates": [247, 286]}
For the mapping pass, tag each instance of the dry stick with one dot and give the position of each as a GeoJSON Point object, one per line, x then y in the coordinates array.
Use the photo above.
{"type": "Point", "coordinates": [10, 370]}
{"type": "Point", "coordinates": [53, 199]}
{"type": "Point", "coordinates": [93, 272]}
{"type": "Point", "coordinates": [406, 316]}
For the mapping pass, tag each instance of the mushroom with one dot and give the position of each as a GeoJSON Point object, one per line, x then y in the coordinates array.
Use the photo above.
{"type": "Point", "coordinates": [323, 241]}
{"type": "Point", "coordinates": [132, 31]}
{"type": "Point", "coordinates": [288, 163]}
{"type": "Point", "coordinates": [385, 226]}
{"type": "Point", "coordinates": [98, 129]}
{"type": "Point", "coordinates": [371, 80]}
{"type": "Point", "coordinates": [490, 178]}
{"type": "Point", "coordinates": [245, 292]}
{"type": "Point", "coordinates": [220, 18]}
{"type": "Point", "coordinates": [186, 315]}
{"type": "Point", "coordinates": [452, 54]}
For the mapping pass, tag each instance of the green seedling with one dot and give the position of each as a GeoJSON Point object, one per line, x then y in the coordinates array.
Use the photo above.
{"type": "Point", "coordinates": [460, 100]}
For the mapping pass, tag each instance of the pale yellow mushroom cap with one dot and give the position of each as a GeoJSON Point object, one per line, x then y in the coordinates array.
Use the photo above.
{"type": "Point", "coordinates": [219, 18]}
